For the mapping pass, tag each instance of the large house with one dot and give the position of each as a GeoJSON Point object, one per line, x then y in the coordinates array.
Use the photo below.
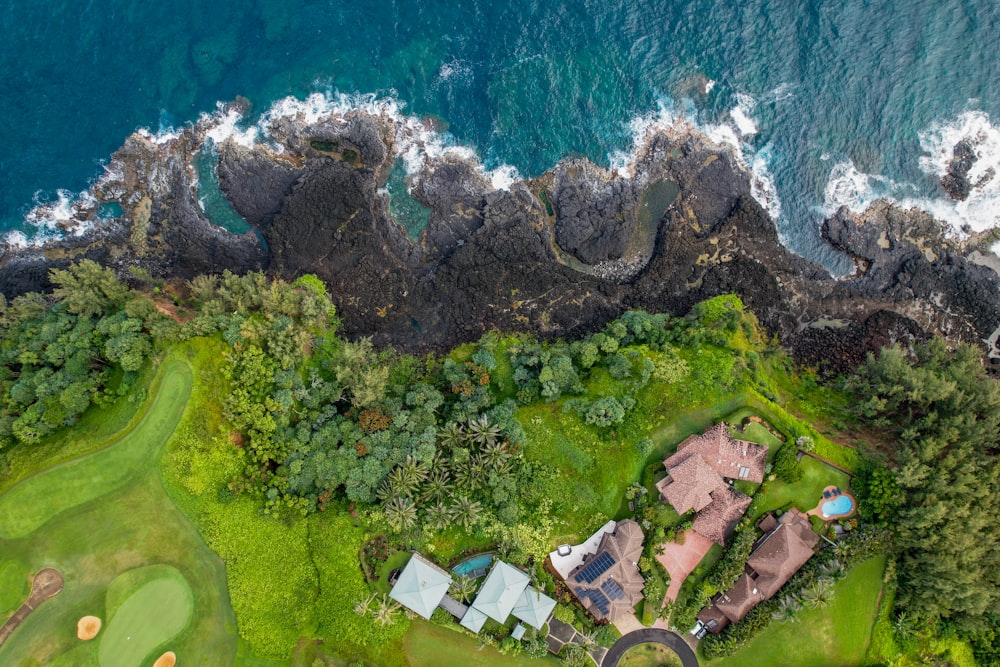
{"type": "Point", "coordinates": [697, 474]}
{"type": "Point", "coordinates": [608, 582]}
{"type": "Point", "coordinates": [785, 548]}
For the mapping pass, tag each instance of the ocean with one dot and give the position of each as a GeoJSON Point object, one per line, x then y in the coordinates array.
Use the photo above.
{"type": "Point", "coordinates": [828, 102]}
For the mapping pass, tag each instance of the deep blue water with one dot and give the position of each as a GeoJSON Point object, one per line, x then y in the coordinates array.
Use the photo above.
{"type": "Point", "coordinates": [524, 82]}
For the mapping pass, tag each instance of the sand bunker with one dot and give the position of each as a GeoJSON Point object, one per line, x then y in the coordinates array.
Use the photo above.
{"type": "Point", "coordinates": [168, 659]}
{"type": "Point", "coordinates": [88, 627]}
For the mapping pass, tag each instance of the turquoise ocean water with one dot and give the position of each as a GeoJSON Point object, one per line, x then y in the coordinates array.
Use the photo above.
{"type": "Point", "coordinates": [831, 101]}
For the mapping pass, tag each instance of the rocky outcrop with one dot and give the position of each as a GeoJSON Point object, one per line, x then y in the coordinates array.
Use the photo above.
{"type": "Point", "coordinates": [556, 255]}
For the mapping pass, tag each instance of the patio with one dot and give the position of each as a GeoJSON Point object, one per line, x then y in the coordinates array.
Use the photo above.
{"type": "Point", "coordinates": [681, 559]}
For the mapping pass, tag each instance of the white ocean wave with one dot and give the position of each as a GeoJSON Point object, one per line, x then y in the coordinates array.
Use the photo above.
{"type": "Point", "coordinates": [729, 134]}
{"type": "Point", "coordinates": [847, 186]}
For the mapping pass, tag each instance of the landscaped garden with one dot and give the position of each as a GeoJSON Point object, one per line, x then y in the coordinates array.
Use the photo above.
{"type": "Point", "coordinates": [650, 655]}
{"type": "Point", "coordinates": [249, 479]}
{"type": "Point", "coordinates": [835, 635]}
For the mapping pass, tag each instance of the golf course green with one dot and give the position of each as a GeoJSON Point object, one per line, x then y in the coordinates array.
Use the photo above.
{"type": "Point", "coordinates": [127, 553]}
{"type": "Point", "coordinates": [148, 618]}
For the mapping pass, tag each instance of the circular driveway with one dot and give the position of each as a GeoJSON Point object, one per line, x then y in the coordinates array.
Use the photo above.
{"type": "Point", "coordinates": [650, 636]}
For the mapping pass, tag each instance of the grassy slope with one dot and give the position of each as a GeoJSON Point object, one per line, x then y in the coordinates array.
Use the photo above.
{"type": "Point", "coordinates": [837, 636]}
{"type": "Point", "coordinates": [33, 502]}
{"type": "Point", "coordinates": [429, 645]}
{"type": "Point", "coordinates": [94, 542]}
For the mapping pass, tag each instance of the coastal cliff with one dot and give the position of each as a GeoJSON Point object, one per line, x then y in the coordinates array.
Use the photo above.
{"type": "Point", "coordinates": [555, 255]}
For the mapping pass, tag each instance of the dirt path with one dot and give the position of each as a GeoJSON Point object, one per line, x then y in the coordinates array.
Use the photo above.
{"type": "Point", "coordinates": [46, 584]}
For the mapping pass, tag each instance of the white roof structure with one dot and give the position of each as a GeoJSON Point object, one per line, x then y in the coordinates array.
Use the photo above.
{"type": "Point", "coordinates": [421, 586]}
{"type": "Point", "coordinates": [501, 591]}
{"type": "Point", "coordinates": [566, 564]}
{"type": "Point", "coordinates": [534, 608]}
{"type": "Point", "coordinates": [473, 620]}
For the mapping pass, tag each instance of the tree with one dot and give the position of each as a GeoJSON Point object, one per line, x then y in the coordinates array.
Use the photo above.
{"type": "Point", "coordinates": [466, 512]}
{"type": "Point", "coordinates": [88, 289]}
{"type": "Point", "coordinates": [818, 594]}
{"type": "Point", "coordinates": [462, 588]}
{"type": "Point", "coordinates": [786, 608]}
{"type": "Point", "coordinates": [400, 513]}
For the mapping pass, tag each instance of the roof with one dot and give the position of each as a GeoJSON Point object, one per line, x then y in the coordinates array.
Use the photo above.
{"type": "Point", "coordinates": [518, 631]}
{"type": "Point", "coordinates": [501, 591]}
{"type": "Point", "coordinates": [716, 521]}
{"type": "Point", "coordinates": [783, 551]}
{"type": "Point", "coordinates": [740, 599]}
{"type": "Point", "coordinates": [689, 486]}
{"type": "Point", "coordinates": [534, 608]}
{"type": "Point", "coordinates": [421, 586]}
{"type": "Point", "coordinates": [473, 620]}
{"type": "Point", "coordinates": [566, 564]}
{"type": "Point", "coordinates": [713, 618]}
{"type": "Point", "coordinates": [768, 523]}
{"type": "Point", "coordinates": [609, 583]}
{"type": "Point", "coordinates": [779, 555]}
{"type": "Point", "coordinates": [731, 458]}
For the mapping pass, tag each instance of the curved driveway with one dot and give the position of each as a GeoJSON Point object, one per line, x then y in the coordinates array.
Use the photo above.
{"type": "Point", "coordinates": [648, 636]}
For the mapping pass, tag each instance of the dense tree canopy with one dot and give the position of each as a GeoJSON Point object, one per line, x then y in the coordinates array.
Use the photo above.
{"type": "Point", "coordinates": [945, 413]}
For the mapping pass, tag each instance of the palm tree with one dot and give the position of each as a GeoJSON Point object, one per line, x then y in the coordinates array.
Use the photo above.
{"type": "Point", "coordinates": [834, 570]}
{"type": "Point", "coordinates": [386, 610]}
{"type": "Point", "coordinates": [482, 432]}
{"type": "Point", "coordinates": [787, 607]}
{"type": "Point", "coordinates": [439, 463]}
{"type": "Point", "coordinates": [437, 486]}
{"type": "Point", "coordinates": [401, 513]}
{"type": "Point", "coordinates": [414, 469]}
{"type": "Point", "coordinates": [363, 607]}
{"type": "Point", "coordinates": [438, 516]}
{"type": "Point", "coordinates": [463, 588]}
{"type": "Point", "coordinates": [818, 594]}
{"type": "Point", "coordinates": [466, 512]}
{"type": "Point", "coordinates": [497, 456]}
{"type": "Point", "coordinates": [451, 435]}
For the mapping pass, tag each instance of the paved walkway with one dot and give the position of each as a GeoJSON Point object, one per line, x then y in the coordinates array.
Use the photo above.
{"type": "Point", "coordinates": [453, 607]}
{"type": "Point", "coordinates": [46, 584]}
{"type": "Point", "coordinates": [680, 559]}
{"type": "Point", "coordinates": [647, 636]}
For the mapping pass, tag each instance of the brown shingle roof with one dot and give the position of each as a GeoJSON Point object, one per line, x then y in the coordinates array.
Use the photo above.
{"type": "Point", "coordinates": [780, 555]}
{"type": "Point", "coordinates": [783, 552]}
{"type": "Point", "coordinates": [689, 486]}
{"type": "Point", "coordinates": [740, 599]}
{"type": "Point", "coordinates": [620, 585]}
{"type": "Point", "coordinates": [731, 458]}
{"type": "Point", "coordinates": [716, 521]}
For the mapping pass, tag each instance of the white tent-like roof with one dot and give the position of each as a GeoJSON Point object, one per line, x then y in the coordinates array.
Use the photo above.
{"type": "Point", "coordinates": [534, 608]}
{"type": "Point", "coordinates": [421, 586]}
{"type": "Point", "coordinates": [501, 591]}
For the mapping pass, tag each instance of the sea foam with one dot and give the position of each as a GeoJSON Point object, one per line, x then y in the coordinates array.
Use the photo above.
{"type": "Point", "coordinates": [847, 186]}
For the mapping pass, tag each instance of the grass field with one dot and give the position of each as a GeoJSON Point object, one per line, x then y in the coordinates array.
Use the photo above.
{"type": "Point", "coordinates": [837, 636]}
{"type": "Point", "coordinates": [151, 616]}
{"type": "Point", "coordinates": [807, 492]}
{"type": "Point", "coordinates": [15, 584]}
{"type": "Point", "coordinates": [650, 655]}
{"type": "Point", "coordinates": [429, 645]}
{"type": "Point", "coordinates": [95, 535]}
{"type": "Point", "coordinates": [37, 499]}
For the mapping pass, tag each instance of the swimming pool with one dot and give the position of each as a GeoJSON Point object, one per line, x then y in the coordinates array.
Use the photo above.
{"type": "Point", "coordinates": [838, 506]}
{"type": "Point", "coordinates": [474, 567]}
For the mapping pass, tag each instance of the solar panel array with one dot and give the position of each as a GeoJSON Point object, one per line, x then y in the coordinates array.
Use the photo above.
{"type": "Point", "coordinates": [599, 566]}
{"type": "Point", "coordinates": [613, 590]}
{"type": "Point", "coordinates": [597, 597]}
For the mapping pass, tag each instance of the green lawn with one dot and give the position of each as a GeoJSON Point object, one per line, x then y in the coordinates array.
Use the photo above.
{"type": "Point", "coordinates": [429, 645]}
{"type": "Point", "coordinates": [807, 492]}
{"type": "Point", "coordinates": [398, 559]}
{"type": "Point", "coordinates": [149, 618]}
{"type": "Point", "coordinates": [33, 502]}
{"type": "Point", "coordinates": [15, 584]}
{"type": "Point", "coordinates": [98, 534]}
{"type": "Point", "coordinates": [650, 655]}
{"type": "Point", "coordinates": [837, 636]}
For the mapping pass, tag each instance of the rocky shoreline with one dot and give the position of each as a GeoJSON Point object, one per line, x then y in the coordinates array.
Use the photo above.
{"type": "Point", "coordinates": [556, 255]}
